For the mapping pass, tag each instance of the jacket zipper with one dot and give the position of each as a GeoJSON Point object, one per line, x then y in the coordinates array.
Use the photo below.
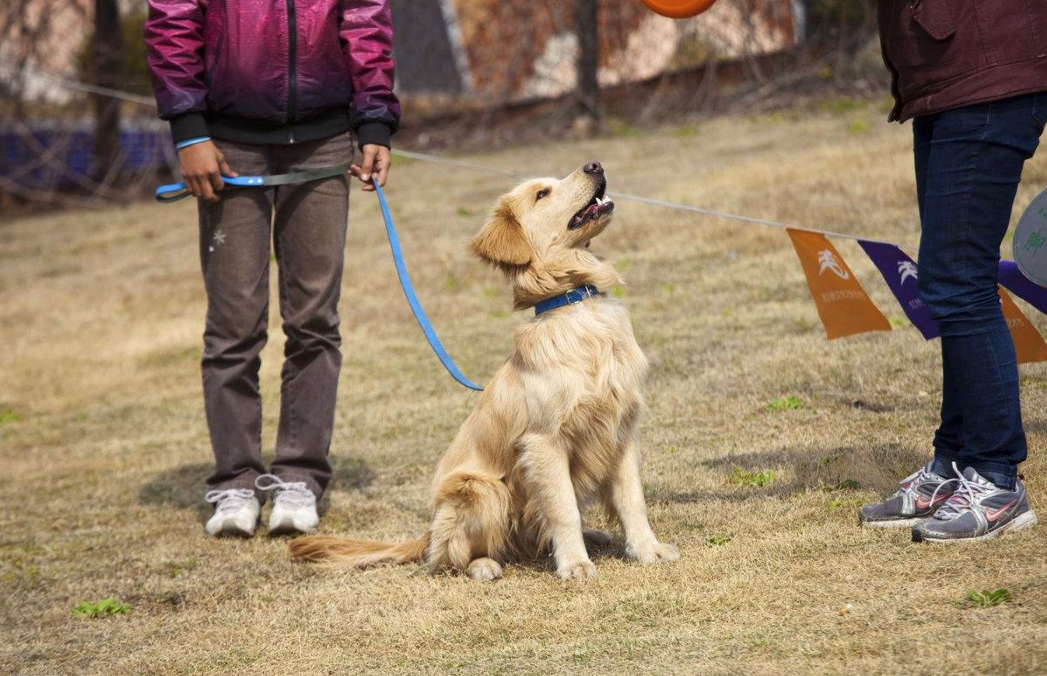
{"type": "Point", "coordinates": [292, 54]}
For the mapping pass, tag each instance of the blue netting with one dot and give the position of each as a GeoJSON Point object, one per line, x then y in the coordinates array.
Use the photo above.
{"type": "Point", "coordinates": [53, 154]}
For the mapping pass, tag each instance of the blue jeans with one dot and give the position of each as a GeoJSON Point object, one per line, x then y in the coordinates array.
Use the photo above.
{"type": "Point", "coordinates": [968, 165]}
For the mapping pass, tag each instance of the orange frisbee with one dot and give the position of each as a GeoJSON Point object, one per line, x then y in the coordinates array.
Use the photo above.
{"type": "Point", "coordinates": [678, 9]}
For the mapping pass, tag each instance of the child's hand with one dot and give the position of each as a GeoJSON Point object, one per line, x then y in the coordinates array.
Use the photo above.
{"type": "Point", "coordinates": [376, 161]}
{"type": "Point", "coordinates": [203, 166]}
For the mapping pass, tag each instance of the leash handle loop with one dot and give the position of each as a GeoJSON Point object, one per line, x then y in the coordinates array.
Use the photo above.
{"type": "Point", "coordinates": [172, 192]}
{"type": "Point", "coordinates": [412, 298]}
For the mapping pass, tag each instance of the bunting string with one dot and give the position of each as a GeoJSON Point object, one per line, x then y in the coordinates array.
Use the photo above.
{"type": "Point", "coordinates": [842, 303]}
{"type": "Point", "coordinates": [627, 197]}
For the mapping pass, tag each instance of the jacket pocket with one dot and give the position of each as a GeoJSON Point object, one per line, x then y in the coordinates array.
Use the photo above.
{"type": "Point", "coordinates": [935, 17]}
{"type": "Point", "coordinates": [1009, 31]}
{"type": "Point", "coordinates": [930, 44]}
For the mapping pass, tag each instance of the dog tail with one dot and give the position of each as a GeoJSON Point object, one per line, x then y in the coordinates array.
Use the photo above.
{"type": "Point", "coordinates": [472, 518]}
{"type": "Point", "coordinates": [356, 553]}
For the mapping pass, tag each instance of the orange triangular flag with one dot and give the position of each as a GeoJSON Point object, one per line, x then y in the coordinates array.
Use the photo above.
{"type": "Point", "coordinates": [1028, 343]}
{"type": "Point", "coordinates": [842, 303]}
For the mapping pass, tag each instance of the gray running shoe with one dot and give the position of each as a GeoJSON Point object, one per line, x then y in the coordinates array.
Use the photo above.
{"type": "Point", "coordinates": [919, 496]}
{"type": "Point", "coordinates": [977, 510]}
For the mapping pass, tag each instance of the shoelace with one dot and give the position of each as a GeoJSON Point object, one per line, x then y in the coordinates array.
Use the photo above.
{"type": "Point", "coordinates": [230, 499]}
{"type": "Point", "coordinates": [294, 493]}
{"type": "Point", "coordinates": [962, 498]}
{"type": "Point", "coordinates": [918, 477]}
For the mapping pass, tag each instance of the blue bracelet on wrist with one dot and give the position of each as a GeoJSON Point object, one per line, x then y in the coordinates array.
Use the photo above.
{"type": "Point", "coordinates": [191, 142]}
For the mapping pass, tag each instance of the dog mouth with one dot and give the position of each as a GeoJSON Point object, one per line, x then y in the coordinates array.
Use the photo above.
{"type": "Point", "coordinates": [598, 206]}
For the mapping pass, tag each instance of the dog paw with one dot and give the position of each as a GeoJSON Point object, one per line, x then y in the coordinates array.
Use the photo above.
{"type": "Point", "coordinates": [484, 569]}
{"type": "Point", "coordinates": [654, 552]}
{"type": "Point", "coordinates": [576, 570]}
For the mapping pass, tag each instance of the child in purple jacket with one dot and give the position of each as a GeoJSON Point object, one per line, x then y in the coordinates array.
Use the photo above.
{"type": "Point", "coordinates": [265, 87]}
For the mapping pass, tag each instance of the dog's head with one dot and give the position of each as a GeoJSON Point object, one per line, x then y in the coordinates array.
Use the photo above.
{"type": "Point", "coordinates": [538, 233]}
{"type": "Point", "coordinates": [544, 215]}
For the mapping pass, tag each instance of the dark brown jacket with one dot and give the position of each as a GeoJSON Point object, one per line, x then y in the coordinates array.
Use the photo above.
{"type": "Point", "coordinates": [949, 53]}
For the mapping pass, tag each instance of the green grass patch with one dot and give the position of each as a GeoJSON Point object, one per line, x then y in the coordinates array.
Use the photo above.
{"type": "Point", "coordinates": [784, 404]}
{"type": "Point", "coordinates": [623, 129]}
{"type": "Point", "coordinates": [756, 479]}
{"type": "Point", "coordinates": [719, 540]}
{"type": "Point", "coordinates": [987, 598]}
{"type": "Point", "coordinates": [176, 568]}
{"type": "Point", "coordinates": [104, 608]}
{"type": "Point", "coordinates": [9, 415]}
{"type": "Point", "coordinates": [845, 503]}
{"type": "Point", "coordinates": [858, 127]}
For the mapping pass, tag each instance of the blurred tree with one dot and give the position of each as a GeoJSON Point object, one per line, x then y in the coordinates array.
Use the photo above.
{"type": "Point", "coordinates": [134, 71]}
{"type": "Point", "coordinates": [844, 22]}
{"type": "Point", "coordinates": [586, 22]}
{"type": "Point", "coordinates": [106, 59]}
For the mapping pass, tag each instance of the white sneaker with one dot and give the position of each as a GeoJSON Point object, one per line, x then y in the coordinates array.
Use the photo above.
{"type": "Point", "coordinates": [236, 512]}
{"type": "Point", "coordinates": [294, 507]}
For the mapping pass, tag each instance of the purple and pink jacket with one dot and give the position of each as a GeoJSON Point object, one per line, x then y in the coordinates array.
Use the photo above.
{"type": "Point", "coordinates": [273, 71]}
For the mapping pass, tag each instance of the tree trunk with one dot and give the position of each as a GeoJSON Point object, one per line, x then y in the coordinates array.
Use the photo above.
{"type": "Point", "coordinates": [106, 50]}
{"type": "Point", "coordinates": [587, 30]}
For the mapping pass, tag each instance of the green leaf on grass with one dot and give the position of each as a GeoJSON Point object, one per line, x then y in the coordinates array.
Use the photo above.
{"type": "Point", "coordinates": [104, 608]}
{"type": "Point", "coordinates": [987, 598]}
{"type": "Point", "coordinates": [756, 479]}
{"type": "Point", "coordinates": [784, 404]}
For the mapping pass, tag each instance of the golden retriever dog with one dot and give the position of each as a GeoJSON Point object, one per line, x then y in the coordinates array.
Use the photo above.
{"type": "Point", "coordinates": [556, 428]}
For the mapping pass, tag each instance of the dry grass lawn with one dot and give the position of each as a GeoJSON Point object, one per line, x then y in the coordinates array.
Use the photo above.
{"type": "Point", "coordinates": [104, 447]}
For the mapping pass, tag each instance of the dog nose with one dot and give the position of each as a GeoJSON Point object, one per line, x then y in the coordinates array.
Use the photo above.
{"type": "Point", "coordinates": [593, 167]}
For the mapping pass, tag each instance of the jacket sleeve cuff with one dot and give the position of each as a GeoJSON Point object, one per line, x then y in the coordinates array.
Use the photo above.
{"type": "Point", "coordinates": [187, 126]}
{"type": "Point", "coordinates": [377, 133]}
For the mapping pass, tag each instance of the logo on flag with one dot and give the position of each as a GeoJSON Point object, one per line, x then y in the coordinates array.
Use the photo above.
{"type": "Point", "coordinates": [844, 307]}
{"type": "Point", "coordinates": [897, 268]}
{"type": "Point", "coordinates": [906, 270]}
{"type": "Point", "coordinates": [827, 261]}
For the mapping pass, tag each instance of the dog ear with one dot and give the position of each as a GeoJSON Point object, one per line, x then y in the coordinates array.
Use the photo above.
{"type": "Point", "coordinates": [501, 240]}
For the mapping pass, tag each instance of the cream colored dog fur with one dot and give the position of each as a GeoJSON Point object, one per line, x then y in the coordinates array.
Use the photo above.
{"type": "Point", "coordinates": [556, 427]}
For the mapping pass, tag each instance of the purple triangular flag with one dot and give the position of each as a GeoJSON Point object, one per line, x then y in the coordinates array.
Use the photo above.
{"type": "Point", "coordinates": [899, 271]}
{"type": "Point", "coordinates": [1020, 285]}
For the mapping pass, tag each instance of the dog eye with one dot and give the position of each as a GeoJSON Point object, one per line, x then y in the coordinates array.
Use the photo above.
{"type": "Point", "coordinates": [541, 194]}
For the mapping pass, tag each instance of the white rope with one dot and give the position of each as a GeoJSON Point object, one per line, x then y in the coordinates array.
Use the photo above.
{"type": "Point", "coordinates": [83, 86]}
{"type": "Point", "coordinates": [435, 159]}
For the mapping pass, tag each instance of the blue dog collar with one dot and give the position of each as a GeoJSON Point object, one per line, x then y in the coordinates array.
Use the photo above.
{"type": "Point", "coordinates": [570, 298]}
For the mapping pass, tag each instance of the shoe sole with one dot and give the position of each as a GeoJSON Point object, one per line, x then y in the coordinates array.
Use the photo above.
{"type": "Point", "coordinates": [286, 527]}
{"type": "Point", "coordinates": [231, 530]}
{"type": "Point", "coordinates": [896, 523]}
{"type": "Point", "coordinates": [1019, 523]}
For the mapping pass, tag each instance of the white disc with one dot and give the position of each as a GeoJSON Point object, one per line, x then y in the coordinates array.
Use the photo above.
{"type": "Point", "coordinates": [1029, 246]}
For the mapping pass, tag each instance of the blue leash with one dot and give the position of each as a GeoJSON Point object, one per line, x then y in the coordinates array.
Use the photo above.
{"type": "Point", "coordinates": [176, 191]}
{"type": "Point", "coordinates": [412, 299]}
{"type": "Point", "coordinates": [172, 192]}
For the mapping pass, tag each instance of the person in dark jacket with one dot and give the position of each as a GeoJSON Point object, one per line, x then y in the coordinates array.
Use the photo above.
{"type": "Point", "coordinates": [972, 76]}
{"type": "Point", "coordinates": [262, 87]}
